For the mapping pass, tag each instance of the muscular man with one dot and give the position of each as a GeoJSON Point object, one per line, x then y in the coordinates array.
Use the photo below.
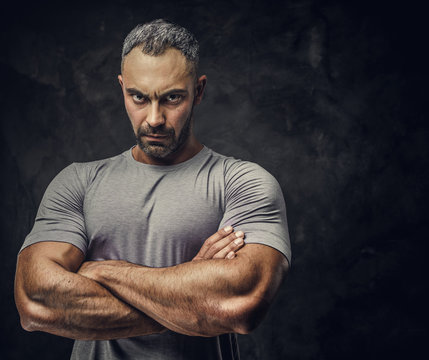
{"type": "Point", "coordinates": [142, 256]}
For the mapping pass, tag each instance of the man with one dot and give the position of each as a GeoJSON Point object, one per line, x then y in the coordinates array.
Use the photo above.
{"type": "Point", "coordinates": [117, 258]}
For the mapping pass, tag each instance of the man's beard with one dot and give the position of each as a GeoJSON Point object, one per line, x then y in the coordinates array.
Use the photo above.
{"type": "Point", "coordinates": [169, 144]}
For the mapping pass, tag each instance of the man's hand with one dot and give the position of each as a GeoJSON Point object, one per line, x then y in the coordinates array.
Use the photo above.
{"type": "Point", "coordinates": [221, 245]}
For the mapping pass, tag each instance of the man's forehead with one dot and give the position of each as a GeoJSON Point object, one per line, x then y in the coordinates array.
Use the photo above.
{"type": "Point", "coordinates": [152, 74]}
{"type": "Point", "coordinates": [171, 60]}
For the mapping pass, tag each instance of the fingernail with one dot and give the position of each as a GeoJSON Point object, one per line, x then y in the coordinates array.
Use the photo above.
{"type": "Point", "coordinates": [238, 241]}
{"type": "Point", "coordinates": [231, 255]}
{"type": "Point", "coordinates": [227, 228]}
{"type": "Point", "coordinates": [239, 234]}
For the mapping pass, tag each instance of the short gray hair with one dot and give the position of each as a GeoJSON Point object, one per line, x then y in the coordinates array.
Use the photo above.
{"type": "Point", "coordinates": [157, 36]}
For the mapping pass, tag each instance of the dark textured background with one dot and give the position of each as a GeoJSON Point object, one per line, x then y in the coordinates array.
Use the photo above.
{"type": "Point", "coordinates": [326, 95]}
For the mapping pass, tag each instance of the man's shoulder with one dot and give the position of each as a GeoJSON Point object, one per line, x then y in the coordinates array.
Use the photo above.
{"type": "Point", "coordinates": [243, 173]}
{"type": "Point", "coordinates": [232, 163]}
{"type": "Point", "coordinates": [110, 161]}
{"type": "Point", "coordinates": [236, 167]}
{"type": "Point", "coordinates": [84, 172]}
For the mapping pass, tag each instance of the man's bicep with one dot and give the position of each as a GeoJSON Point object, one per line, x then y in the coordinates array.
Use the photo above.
{"type": "Point", "coordinates": [63, 254]}
{"type": "Point", "coordinates": [267, 265]}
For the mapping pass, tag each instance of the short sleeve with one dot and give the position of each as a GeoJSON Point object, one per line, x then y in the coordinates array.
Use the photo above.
{"type": "Point", "coordinates": [254, 203]}
{"type": "Point", "coordinates": [60, 214]}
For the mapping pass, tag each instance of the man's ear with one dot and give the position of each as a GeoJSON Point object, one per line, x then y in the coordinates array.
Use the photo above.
{"type": "Point", "coordinates": [121, 82]}
{"type": "Point", "coordinates": [199, 89]}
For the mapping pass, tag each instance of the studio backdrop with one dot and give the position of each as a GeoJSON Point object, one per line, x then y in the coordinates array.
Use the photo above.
{"type": "Point", "coordinates": [325, 95]}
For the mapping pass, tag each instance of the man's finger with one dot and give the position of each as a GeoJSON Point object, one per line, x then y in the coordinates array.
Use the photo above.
{"type": "Point", "coordinates": [229, 251]}
{"type": "Point", "coordinates": [218, 235]}
{"type": "Point", "coordinates": [222, 247]}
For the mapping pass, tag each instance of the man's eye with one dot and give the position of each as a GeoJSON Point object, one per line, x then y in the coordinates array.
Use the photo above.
{"type": "Point", "coordinates": [173, 98]}
{"type": "Point", "coordinates": [138, 98]}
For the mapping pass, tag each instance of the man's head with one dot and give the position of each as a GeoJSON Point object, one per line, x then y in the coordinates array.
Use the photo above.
{"type": "Point", "coordinates": [155, 37]}
{"type": "Point", "coordinates": [160, 88]}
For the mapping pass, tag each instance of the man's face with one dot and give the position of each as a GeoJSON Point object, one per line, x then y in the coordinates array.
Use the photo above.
{"type": "Point", "coordinates": [160, 93]}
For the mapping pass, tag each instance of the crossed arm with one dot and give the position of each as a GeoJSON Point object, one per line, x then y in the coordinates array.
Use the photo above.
{"type": "Point", "coordinates": [57, 292]}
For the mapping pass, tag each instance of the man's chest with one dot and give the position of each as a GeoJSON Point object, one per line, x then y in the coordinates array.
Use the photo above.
{"type": "Point", "coordinates": [154, 221]}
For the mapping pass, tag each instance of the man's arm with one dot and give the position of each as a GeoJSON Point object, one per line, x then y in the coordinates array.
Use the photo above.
{"type": "Point", "coordinates": [201, 298]}
{"type": "Point", "coordinates": [51, 297]}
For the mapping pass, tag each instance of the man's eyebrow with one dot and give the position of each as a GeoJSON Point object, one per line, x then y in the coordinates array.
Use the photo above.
{"type": "Point", "coordinates": [134, 91]}
{"type": "Point", "coordinates": [181, 91]}
{"type": "Point", "coordinates": [173, 91]}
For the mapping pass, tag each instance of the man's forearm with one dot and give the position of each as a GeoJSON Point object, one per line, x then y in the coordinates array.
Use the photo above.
{"type": "Point", "coordinates": [73, 306]}
{"type": "Point", "coordinates": [174, 296]}
{"type": "Point", "coordinates": [202, 298]}
{"type": "Point", "coordinates": [52, 297]}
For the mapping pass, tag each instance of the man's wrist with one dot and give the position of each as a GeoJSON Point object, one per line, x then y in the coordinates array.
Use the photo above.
{"type": "Point", "coordinates": [109, 271]}
{"type": "Point", "coordinates": [94, 270]}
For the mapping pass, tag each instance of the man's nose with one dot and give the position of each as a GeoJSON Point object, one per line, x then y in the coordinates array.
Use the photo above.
{"type": "Point", "coordinates": [155, 117]}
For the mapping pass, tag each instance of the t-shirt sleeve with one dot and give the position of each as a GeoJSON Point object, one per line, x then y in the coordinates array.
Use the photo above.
{"type": "Point", "coordinates": [60, 214]}
{"type": "Point", "coordinates": [254, 203]}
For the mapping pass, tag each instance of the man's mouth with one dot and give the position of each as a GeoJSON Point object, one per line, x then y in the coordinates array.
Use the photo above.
{"type": "Point", "coordinates": [155, 137]}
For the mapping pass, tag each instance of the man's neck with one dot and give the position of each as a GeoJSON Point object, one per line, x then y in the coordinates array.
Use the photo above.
{"type": "Point", "coordinates": [191, 148]}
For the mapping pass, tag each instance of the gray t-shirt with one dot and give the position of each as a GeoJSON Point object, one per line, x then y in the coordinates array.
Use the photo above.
{"type": "Point", "coordinates": [159, 216]}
